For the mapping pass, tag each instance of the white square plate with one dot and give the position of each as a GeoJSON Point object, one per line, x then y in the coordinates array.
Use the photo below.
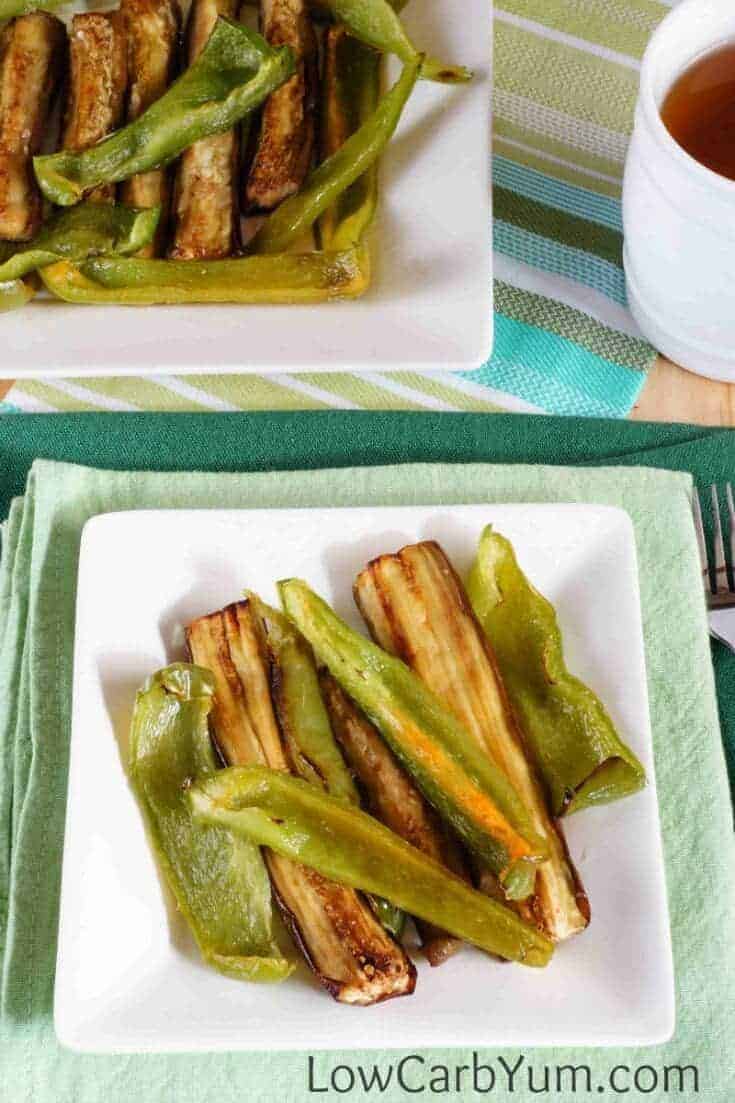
{"type": "Point", "coordinates": [430, 303]}
{"type": "Point", "coordinates": [128, 977]}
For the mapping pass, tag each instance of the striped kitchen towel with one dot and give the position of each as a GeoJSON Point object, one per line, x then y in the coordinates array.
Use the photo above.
{"type": "Point", "coordinates": [566, 76]}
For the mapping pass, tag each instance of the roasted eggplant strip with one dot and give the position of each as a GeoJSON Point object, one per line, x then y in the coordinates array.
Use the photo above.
{"type": "Point", "coordinates": [32, 58]}
{"type": "Point", "coordinates": [344, 944]}
{"type": "Point", "coordinates": [205, 200]}
{"type": "Point", "coordinates": [286, 141]}
{"type": "Point", "coordinates": [392, 797]}
{"type": "Point", "coordinates": [153, 37]}
{"type": "Point", "coordinates": [416, 607]}
{"type": "Point", "coordinates": [98, 84]}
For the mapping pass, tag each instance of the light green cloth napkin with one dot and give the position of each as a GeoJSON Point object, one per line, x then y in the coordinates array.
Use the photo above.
{"type": "Point", "coordinates": [37, 587]}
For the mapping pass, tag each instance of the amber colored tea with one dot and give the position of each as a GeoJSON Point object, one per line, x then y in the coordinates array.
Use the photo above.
{"type": "Point", "coordinates": [699, 111]}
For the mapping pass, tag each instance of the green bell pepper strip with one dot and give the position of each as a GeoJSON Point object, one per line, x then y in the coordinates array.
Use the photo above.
{"type": "Point", "coordinates": [347, 845]}
{"type": "Point", "coordinates": [377, 24]}
{"type": "Point", "coordinates": [88, 230]}
{"type": "Point", "coordinates": [462, 783]}
{"type": "Point", "coordinates": [578, 751]}
{"type": "Point", "coordinates": [11, 9]}
{"type": "Point", "coordinates": [292, 278]}
{"type": "Point", "coordinates": [302, 714]}
{"type": "Point", "coordinates": [219, 880]}
{"type": "Point", "coordinates": [328, 181]}
{"type": "Point", "coordinates": [350, 95]}
{"type": "Point", "coordinates": [235, 72]}
{"type": "Point", "coordinates": [14, 294]}
{"type": "Point", "coordinates": [306, 728]}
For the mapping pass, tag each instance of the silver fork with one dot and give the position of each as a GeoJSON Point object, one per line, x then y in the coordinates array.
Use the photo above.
{"type": "Point", "coordinates": [718, 588]}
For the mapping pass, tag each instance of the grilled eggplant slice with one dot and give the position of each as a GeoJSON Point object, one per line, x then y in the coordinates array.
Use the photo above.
{"type": "Point", "coordinates": [286, 143]}
{"type": "Point", "coordinates": [346, 947]}
{"type": "Point", "coordinates": [392, 798]}
{"type": "Point", "coordinates": [99, 79]}
{"type": "Point", "coordinates": [204, 199]}
{"type": "Point", "coordinates": [153, 28]}
{"type": "Point", "coordinates": [32, 58]}
{"type": "Point", "coordinates": [416, 607]}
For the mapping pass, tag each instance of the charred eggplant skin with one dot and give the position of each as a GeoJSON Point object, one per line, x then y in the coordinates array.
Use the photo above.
{"type": "Point", "coordinates": [462, 784]}
{"type": "Point", "coordinates": [344, 843]}
{"type": "Point", "coordinates": [583, 760]}
{"type": "Point", "coordinates": [218, 879]}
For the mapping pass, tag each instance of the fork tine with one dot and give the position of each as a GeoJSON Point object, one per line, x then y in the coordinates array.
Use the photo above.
{"type": "Point", "coordinates": [722, 586]}
{"type": "Point", "coordinates": [731, 522]}
{"type": "Point", "coordinates": [701, 542]}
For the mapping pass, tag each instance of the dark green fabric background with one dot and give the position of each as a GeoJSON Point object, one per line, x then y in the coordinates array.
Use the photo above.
{"type": "Point", "coordinates": [293, 441]}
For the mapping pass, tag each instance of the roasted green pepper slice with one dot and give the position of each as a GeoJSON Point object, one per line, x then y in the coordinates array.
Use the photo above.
{"type": "Point", "coordinates": [219, 880]}
{"type": "Point", "coordinates": [329, 180]}
{"type": "Point", "coordinates": [303, 823]}
{"type": "Point", "coordinates": [377, 24]}
{"type": "Point", "coordinates": [11, 9]}
{"type": "Point", "coordinates": [88, 230]}
{"type": "Point", "coordinates": [579, 753]}
{"type": "Point", "coordinates": [14, 294]}
{"type": "Point", "coordinates": [305, 725]}
{"type": "Point", "coordinates": [456, 777]}
{"type": "Point", "coordinates": [300, 708]}
{"type": "Point", "coordinates": [235, 72]}
{"type": "Point", "coordinates": [350, 94]}
{"type": "Point", "coordinates": [292, 278]}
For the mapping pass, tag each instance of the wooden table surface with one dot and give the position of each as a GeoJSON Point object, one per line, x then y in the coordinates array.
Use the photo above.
{"type": "Point", "coordinates": [670, 394]}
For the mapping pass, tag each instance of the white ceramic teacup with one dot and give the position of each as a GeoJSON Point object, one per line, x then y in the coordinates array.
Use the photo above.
{"type": "Point", "coordinates": [679, 217]}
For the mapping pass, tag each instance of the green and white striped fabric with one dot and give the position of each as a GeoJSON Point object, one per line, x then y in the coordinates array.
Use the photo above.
{"type": "Point", "coordinates": [566, 77]}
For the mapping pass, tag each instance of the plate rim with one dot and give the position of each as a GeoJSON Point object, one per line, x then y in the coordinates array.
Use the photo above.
{"type": "Point", "coordinates": [74, 1040]}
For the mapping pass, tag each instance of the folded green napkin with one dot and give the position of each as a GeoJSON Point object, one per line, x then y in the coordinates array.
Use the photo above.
{"type": "Point", "coordinates": [37, 589]}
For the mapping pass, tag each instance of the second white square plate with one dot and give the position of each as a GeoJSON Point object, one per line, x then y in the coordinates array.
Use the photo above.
{"type": "Point", "coordinates": [430, 302]}
{"type": "Point", "coordinates": [128, 976]}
